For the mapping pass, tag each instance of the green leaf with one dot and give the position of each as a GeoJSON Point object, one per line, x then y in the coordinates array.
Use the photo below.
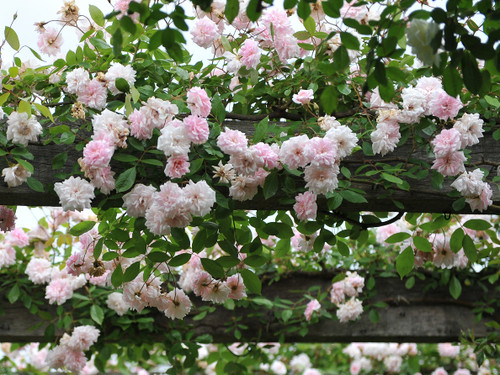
{"type": "Point", "coordinates": [280, 230]}
{"type": "Point", "coordinates": [179, 260]}
{"type": "Point", "coordinates": [117, 42]}
{"type": "Point", "coordinates": [254, 10]}
{"type": "Point", "coordinates": [126, 180]}
{"type": "Point", "coordinates": [422, 244]}
{"type": "Point", "coordinates": [455, 287]}
{"type": "Point", "coordinates": [131, 272]}
{"type": "Point", "coordinates": [341, 58]}
{"type": "Point", "coordinates": [44, 111]}
{"type": "Point", "coordinates": [477, 224]}
{"type": "Point", "coordinates": [213, 268]}
{"type": "Point", "coordinates": [117, 276]}
{"type": "Point", "coordinates": [452, 82]}
{"type": "Point", "coordinates": [261, 130]}
{"type": "Point", "coordinates": [391, 178]}
{"type": "Point", "coordinates": [456, 240]}
{"type": "Point", "coordinates": [286, 315]}
{"type": "Point", "coordinates": [310, 25]}
{"type": "Point", "coordinates": [231, 10]}
{"type": "Point", "coordinates": [342, 248]}
{"type": "Point", "coordinates": [398, 237]}
{"type": "Point", "coordinates": [329, 99]}
{"type": "Point", "coordinates": [158, 256]}
{"type": "Point", "coordinates": [353, 197]}
{"type": "Point", "coordinates": [12, 38]}
{"type": "Point", "coordinates": [271, 185]}
{"type": "Point", "coordinates": [35, 185]}
{"type": "Point", "coordinates": [349, 40]}
{"type": "Point", "coordinates": [82, 228]}
{"type": "Point", "coordinates": [218, 108]}
{"type": "Point", "coordinates": [472, 76]}
{"type": "Point", "coordinates": [4, 97]}
{"type": "Point", "coordinates": [96, 15]}
{"type": "Point", "coordinates": [97, 314]}
{"type": "Point", "coordinates": [24, 107]}
{"type": "Point", "coordinates": [255, 260]}
{"type": "Point", "coordinates": [59, 160]}
{"type": "Point", "coordinates": [180, 237]}
{"type": "Point", "coordinates": [251, 280]}
{"type": "Point", "coordinates": [405, 261]}
{"type": "Point", "coordinates": [303, 9]}
{"type": "Point", "coordinates": [14, 293]}
{"type": "Point", "coordinates": [122, 84]}
{"type": "Point", "coordinates": [469, 248]}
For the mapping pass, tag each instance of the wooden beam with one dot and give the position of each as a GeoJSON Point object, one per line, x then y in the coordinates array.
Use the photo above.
{"type": "Point", "coordinates": [420, 314]}
{"type": "Point", "coordinates": [380, 196]}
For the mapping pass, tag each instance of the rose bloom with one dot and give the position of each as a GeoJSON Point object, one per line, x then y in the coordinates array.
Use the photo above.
{"type": "Point", "coordinates": [232, 141]}
{"type": "Point", "coordinates": [305, 206]}
{"type": "Point", "coordinates": [50, 41]}
{"type": "Point", "coordinates": [444, 106]}
{"type": "Point", "coordinates": [198, 102]}
{"type": "Point", "coordinates": [75, 194]}
{"type": "Point", "coordinates": [451, 164]}
{"type": "Point", "coordinates": [197, 129]}
{"type": "Point", "coordinates": [250, 54]}
{"type": "Point", "coordinates": [16, 175]}
{"type": "Point", "coordinates": [303, 97]}
{"type": "Point", "coordinates": [312, 306]}
{"type": "Point", "coordinates": [177, 166]}
{"type": "Point", "coordinates": [22, 129]}
{"type": "Point", "coordinates": [205, 32]}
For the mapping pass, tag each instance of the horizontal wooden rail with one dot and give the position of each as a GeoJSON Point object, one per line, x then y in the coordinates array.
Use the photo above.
{"type": "Point", "coordinates": [419, 314]}
{"type": "Point", "coordinates": [421, 197]}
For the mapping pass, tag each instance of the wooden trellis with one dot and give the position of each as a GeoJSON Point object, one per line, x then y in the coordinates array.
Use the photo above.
{"type": "Point", "coordinates": [415, 315]}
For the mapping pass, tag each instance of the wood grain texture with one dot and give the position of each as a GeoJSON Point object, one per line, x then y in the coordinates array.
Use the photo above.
{"type": "Point", "coordinates": [419, 314]}
{"type": "Point", "coordinates": [421, 197]}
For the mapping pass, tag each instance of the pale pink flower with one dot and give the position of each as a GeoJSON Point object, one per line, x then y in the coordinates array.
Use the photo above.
{"type": "Point", "coordinates": [439, 371]}
{"type": "Point", "coordinates": [17, 237]}
{"type": "Point", "coordinates": [243, 188]}
{"type": "Point", "coordinates": [201, 283]}
{"type": "Point", "coordinates": [269, 154]}
{"type": "Point", "coordinates": [349, 10]}
{"type": "Point", "coordinates": [415, 105]}
{"type": "Point", "coordinates": [236, 286]}
{"type": "Point", "coordinates": [321, 180]}
{"type": "Point", "coordinates": [232, 141]}
{"type": "Point", "coordinates": [140, 128]}
{"type": "Point", "coordinates": [322, 151]}
{"type": "Point", "coordinates": [393, 364]}
{"type": "Point", "coordinates": [196, 129]}
{"type": "Point", "coordinates": [224, 172]}
{"type": "Point", "coordinates": [75, 194]}
{"type": "Point", "coordinates": [451, 164]}
{"type": "Point", "coordinates": [178, 305]}
{"type": "Point", "coordinates": [113, 125]}
{"type": "Point", "coordinates": [74, 360]}
{"type": "Point", "coordinates": [303, 97]}
{"type": "Point", "coordinates": [198, 102]}
{"type": "Point", "coordinates": [449, 140]}
{"type": "Point", "coordinates": [7, 255]}
{"type": "Point", "coordinates": [103, 179]}
{"type": "Point", "coordinates": [429, 85]}
{"type": "Point", "coordinates": [246, 162]}
{"type": "Point", "coordinates": [470, 128]}
{"type": "Point", "coordinates": [16, 175]}
{"type": "Point", "coordinates": [312, 306]}
{"type": "Point", "coordinates": [444, 106]}
{"type": "Point", "coordinates": [38, 270]}
{"type": "Point", "coordinates": [158, 112]}
{"type": "Point", "coordinates": [115, 302]}
{"type": "Point", "coordinates": [462, 371]}
{"type": "Point", "coordinates": [117, 70]}
{"type": "Point", "coordinates": [205, 32]}
{"type": "Point", "coordinates": [482, 202]}
{"type": "Point", "coordinates": [177, 166]}
{"type": "Point", "coordinates": [287, 47]}
{"type": "Point", "coordinates": [344, 138]}
{"type": "Point", "coordinates": [98, 153]}
{"type": "Point", "coordinates": [337, 295]}
{"type": "Point", "coordinates": [349, 310]}
{"type": "Point", "coordinates": [157, 221]}
{"type": "Point", "coordinates": [174, 141]}
{"type": "Point", "coordinates": [443, 256]}
{"type": "Point", "coordinates": [293, 152]}
{"type": "Point", "coordinates": [76, 81]}
{"type": "Point", "coordinates": [22, 129]}
{"type": "Point", "coordinates": [278, 368]}
{"type": "Point", "coordinates": [218, 292]}
{"type": "Point", "coordinates": [200, 197]}
{"type": "Point", "coordinates": [94, 95]}
{"type": "Point", "coordinates": [83, 337]}
{"type": "Point", "coordinates": [50, 41]}
{"type": "Point", "coordinates": [137, 200]}
{"type": "Point", "coordinates": [470, 184]}
{"type": "Point", "coordinates": [446, 349]}
{"type": "Point", "coordinates": [305, 207]}
{"type": "Point", "coordinates": [385, 138]}
{"type": "Point", "coordinates": [59, 291]}
{"type": "Point", "coordinates": [250, 54]}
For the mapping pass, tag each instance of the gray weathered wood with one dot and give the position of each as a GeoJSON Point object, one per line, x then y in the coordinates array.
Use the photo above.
{"type": "Point", "coordinates": [411, 315]}
{"type": "Point", "coordinates": [421, 196]}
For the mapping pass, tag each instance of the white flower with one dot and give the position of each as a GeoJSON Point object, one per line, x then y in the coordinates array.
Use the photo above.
{"type": "Point", "coordinates": [16, 175]}
{"type": "Point", "coordinates": [470, 128]}
{"type": "Point", "coordinates": [21, 129]}
{"type": "Point", "coordinates": [344, 138]}
{"type": "Point", "coordinates": [200, 196]}
{"type": "Point", "coordinates": [75, 194]}
{"type": "Point", "coordinates": [174, 141]}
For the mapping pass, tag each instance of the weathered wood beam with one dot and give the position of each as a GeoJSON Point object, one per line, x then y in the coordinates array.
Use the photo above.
{"type": "Point", "coordinates": [421, 197]}
{"type": "Point", "coordinates": [419, 314]}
